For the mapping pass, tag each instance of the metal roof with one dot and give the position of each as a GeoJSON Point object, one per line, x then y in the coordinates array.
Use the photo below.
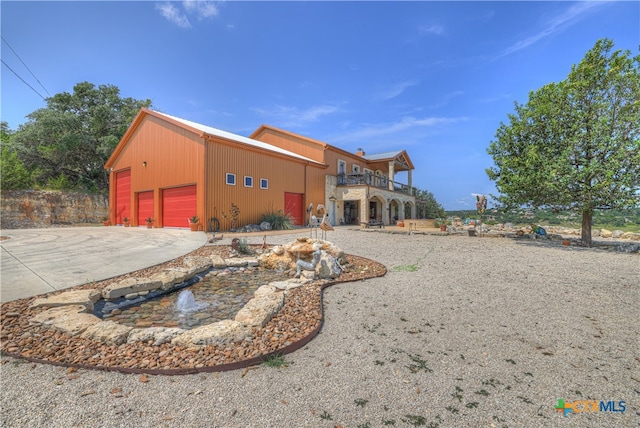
{"type": "Point", "coordinates": [381, 156]}
{"type": "Point", "coordinates": [234, 137]}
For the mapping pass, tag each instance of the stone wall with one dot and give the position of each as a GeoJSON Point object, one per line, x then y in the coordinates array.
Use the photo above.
{"type": "Point", "coordinates": [29, 209]}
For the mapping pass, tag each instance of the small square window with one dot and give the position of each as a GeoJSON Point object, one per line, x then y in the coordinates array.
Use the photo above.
{"type": "Point", "coordinates": [231, 179]}
{"type": "Point", "coordinates": [264, 183]}
{"type": "Point", "coordinates": [248, 181]}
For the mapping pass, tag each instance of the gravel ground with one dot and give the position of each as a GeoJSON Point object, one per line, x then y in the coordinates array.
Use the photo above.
{"type": "Point", "coordinates": [461, 332]}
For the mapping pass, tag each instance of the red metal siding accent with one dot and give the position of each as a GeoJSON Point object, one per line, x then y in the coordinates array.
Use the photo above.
{"type": "Point", "coordinates": [145, 206]}
{"type": "Point", "coordinates": [178, 205]}
{"type": "Point", "coordinates": [293, 207]}
{"type": "Point", "coordinates": [123, 195]}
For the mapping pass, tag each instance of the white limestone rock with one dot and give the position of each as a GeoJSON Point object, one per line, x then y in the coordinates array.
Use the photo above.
{"type": "Point", "coordinates": [108, 332]}
{"type": "Point", "coordinates": [71, 320]}
{"type": "Point", "coordinates": [221, 332]}
{"type": "Point", "coordinates": [78, 297]}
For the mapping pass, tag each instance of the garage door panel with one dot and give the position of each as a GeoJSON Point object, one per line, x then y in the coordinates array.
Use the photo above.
{"type": "Point", "coordinates": [145, 206]}
{"type": "Point", "coordinates": [179, 204]}
{"type": "Point", "coordinates": [123, 195]}
{"type": "Point", "coordinates": [293, 207]}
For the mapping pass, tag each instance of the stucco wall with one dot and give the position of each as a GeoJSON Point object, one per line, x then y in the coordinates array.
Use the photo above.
{"type": "Point", "coordinates": [29, 209]}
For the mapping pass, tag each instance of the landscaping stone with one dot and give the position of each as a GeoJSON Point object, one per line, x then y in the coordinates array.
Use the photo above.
{"type": "Point", "coordinates": [78, 297]}
{"type": "Point", "coordinates": [71, 320]}
{"type": "Point", "coordinates": [218, 262]}
{"type": "Point", "coordinates": [236, 262]}
{"type": "Point", "coordinates": [129, 286]}
{"type": "Point", "coordinates": [221, 332]}
{"type": "Point", "coordinates": [159, 335]}
{"type": "Point", "coordinates": [108, 332]}
{"type": "Point", "coordinates": [197, 263]}
{"type": "Point", "coordinates": [259, 311]}
{"type": "Point", "coordinates": [167, 279]}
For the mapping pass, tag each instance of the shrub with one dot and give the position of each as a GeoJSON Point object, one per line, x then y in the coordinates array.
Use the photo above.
{"type": "Point", "coordinates": [278, 220]}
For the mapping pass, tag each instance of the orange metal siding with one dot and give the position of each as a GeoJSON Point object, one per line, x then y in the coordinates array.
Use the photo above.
{"type": "Point", "coordinates": [308, 149]}
{"type": "Point", "coordinates": [162, 155]}
{"type": "Point", "coordinates": [283, 176]}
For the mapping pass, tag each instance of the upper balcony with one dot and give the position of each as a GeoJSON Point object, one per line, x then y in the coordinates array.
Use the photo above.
{"type": "Point", "coordinates": [378, 181]}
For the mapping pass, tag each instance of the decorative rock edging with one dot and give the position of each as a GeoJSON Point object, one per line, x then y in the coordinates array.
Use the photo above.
{"type": "Point", "coordinates": [155, 345]}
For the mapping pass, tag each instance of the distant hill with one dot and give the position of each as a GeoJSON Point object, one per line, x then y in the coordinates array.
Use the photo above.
{"type": "Point", "coordinates": [627, 220]}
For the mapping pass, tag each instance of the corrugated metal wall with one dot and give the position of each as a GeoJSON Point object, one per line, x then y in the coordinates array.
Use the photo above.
{"type": "Point", "coordinates": [161, 155]}
{"type": "Point", "coordinates": [308, 149]}
{"type": "Point", "coordinates": [283, 175]}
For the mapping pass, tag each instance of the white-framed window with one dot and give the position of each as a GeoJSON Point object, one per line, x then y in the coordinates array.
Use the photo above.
{"type": "Point", "coordinates": [355, 168]}
{"type": "Point", "coordinates": [342, 171]}
{"type": "Point", "coordinates": [230, 179]}
{"type": "Point", "coordinates": [248, 181]}
{"type": "Point", "coordinates": [264, 183]}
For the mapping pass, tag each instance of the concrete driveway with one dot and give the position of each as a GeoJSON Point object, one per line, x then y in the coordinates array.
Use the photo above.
{"type": "Point", "coordinates": [36, 261]}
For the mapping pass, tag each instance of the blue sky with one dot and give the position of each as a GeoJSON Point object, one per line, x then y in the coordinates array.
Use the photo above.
{"type": "Point", "coordinates": [434, 78]}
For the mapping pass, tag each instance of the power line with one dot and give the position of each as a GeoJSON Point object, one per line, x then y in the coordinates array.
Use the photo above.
{"type": "Point", "coordinates": [23, 81]}
{"type": "Point", "coordinates": [34, 76]}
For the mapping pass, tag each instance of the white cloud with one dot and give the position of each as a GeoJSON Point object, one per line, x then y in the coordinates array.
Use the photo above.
{"type": "Point", "coordinates": [169, 11]}
{"type": "Point", "coordinates": [404, 124]}
{"type": "Point", "coordinates": [203, 9]}
{"type": "Point", "coordinates": [396, 90]}
{"type": "Point", "coordinates": [294, 117]}
{"type": "Point", "coordinates": [554, 25]}
{"type": "Point", "coordinates": [436, 29]}
{"type": "Point", "coordinates": [194, 8]}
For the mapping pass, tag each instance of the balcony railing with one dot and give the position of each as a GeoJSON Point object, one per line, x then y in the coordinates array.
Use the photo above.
{"type": "Point", "coordinates": [369, 179]}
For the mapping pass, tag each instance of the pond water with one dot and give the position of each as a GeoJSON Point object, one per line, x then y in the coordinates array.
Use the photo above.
{"type": "Point", "coordinates": [217, 298]}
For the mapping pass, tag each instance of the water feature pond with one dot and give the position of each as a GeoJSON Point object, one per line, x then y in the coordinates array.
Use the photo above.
{"type": "Point", "coordinates": [216, 298]}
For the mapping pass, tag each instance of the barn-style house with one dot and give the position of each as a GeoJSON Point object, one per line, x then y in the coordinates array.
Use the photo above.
{"type": "Point", "coordinates": [171, 169]}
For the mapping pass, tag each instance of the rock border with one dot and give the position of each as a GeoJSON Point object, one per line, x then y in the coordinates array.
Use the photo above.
{"type": "Point", "coordinates": [287, 347]}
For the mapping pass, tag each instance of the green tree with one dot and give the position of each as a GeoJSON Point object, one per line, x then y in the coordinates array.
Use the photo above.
{"type": "Point", "coordinates": [576, 144]}
{"type": "Point", "coordinates": [70, 140]}
{"type": "Point", "coordinates": [427, 205]}
{"type": "Point", "coordinates": [13, 173]}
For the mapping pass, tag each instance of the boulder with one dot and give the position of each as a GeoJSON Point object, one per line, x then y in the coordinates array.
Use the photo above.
{"type": "Point", "coordinates": [617, 233]}
{"type": "Point", "coordinates": [159, 335]}
{"type": "Point", "coordinates": [285, 285]}
{"type": "Point", "coordinates": [265, 225]}
{"type": "Point", "coordinates": [197, 263]}
{"type": "Point", "coordinates": [71, 320]}
{"type": "Point", "coordinates": [167, 279]}
{"type": "Point", "coordinates": [129, 286]}
{"type": "Point", "coordinates": [225, 331]}
{"type": "Point", "coordinates": [78, 297]}
{"type": "Point", "coordinates": [605, 233]}
{"type": "Point", "coordinates": [328, 267]}
{"type": "Point", "coordinates": [108, 332]}
{"type": "Point", "coordinates": [218, 262]}
{"type": "Point", "coordinates": [264, 290]}
{"type": "Point", "coordinates": [259, 311]}
{"type": "Point", "coordinates": [236, 262]}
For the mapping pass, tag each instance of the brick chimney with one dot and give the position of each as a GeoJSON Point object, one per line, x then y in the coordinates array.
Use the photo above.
{"type": "Point", "coordinates": [360, 152]}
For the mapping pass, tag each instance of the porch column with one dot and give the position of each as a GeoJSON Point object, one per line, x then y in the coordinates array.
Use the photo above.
{"type": "Point", "coordinates": [410, 183]}
{"type": "Point", "coordinates": [392, 173]}
{"type": "Point", "coordinates": [414, 212]}
{"type": "Point", "coordinates": [386, 214]}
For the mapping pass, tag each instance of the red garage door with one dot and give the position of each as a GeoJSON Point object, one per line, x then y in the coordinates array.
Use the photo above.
{"type": "Point", "coordinates": [293, 207]}
{"type": "Point", "coordinates": [178, 206]}
{"type": "Point", "coordinates": [123, 195]}
{"type": "Point", "coordinates": [145, 207]}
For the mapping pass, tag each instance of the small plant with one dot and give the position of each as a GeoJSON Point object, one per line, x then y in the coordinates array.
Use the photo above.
{"type": "Point", "coordinates": [277, 219]}
{"type": "Point", "coordinates": [360, 402]}
{"type": "Point", "coordinates": [415, 420]}
{"type": "Point", "coordinates": [195, 219]}
{"type": "Point", "coordinates": [326, 416]}
{"type": "Point", "coordinates": [149, 220]}
{"type": "Point", "coordinates": [243, 246]}
{"type": "Point", "coordinates": [125, 219]}
{"type": "Point", "coordinates": [275, 360]}
{"type": "Point", "coordinates": [234, 214]}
